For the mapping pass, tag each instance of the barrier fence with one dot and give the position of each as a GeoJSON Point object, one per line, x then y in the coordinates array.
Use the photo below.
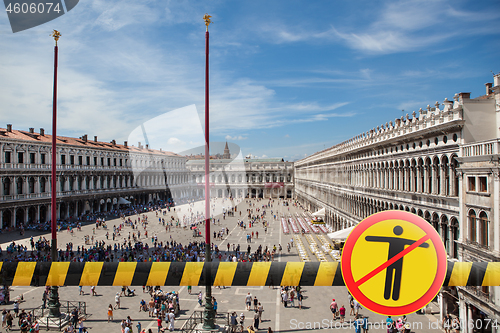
{"type": "Point", "coordinates": [223, 274]}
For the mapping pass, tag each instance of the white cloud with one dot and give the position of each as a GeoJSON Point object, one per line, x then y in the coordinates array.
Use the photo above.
{"type": "Point", "coordinates": [235, 138]}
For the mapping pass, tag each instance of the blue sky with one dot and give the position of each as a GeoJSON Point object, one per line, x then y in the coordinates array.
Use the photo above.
{"type": "Point", "coordinates": [287, 78]}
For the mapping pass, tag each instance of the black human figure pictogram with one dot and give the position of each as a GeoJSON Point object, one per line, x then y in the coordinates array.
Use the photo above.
{"type": "Point", "coordinates": [396, 245]}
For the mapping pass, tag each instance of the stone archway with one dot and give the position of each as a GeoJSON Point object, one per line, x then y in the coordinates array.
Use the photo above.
{"type": "Point", "coordinates": [32, 214]}
{"type": "Point", "coordinates": [7, 218]}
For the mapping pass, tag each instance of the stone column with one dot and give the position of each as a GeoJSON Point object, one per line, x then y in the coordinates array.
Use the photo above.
{"type": "Point", "coordinates": [13, 218]}
{"type": "Point", "coordinates": [451, 183]}
{"type": "Point", "coordinates": [442, 188]}
{"type": "Point", "coordinates": [434, 171]}
{"type": "Point", "coordinates": [425, 185]}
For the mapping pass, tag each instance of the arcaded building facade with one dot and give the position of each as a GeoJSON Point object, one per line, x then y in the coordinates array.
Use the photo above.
{"type": "Point", "coordinates": [92, 176]}
{"type": "Point", "coordinates": [441, 163]}
{"type": "Point", "coordinates": [237, 177]}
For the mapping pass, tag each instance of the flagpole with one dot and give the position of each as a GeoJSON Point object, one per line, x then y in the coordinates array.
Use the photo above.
{"type": "Point", "coordinates": [208, 314]}
{"type": "Point", "coordinates": [54, 305]}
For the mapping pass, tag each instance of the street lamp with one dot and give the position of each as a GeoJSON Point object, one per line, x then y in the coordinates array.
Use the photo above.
{"type": "Point", "coordinates": [208, 314]}
{"type": "Point", "coordinates": [54, 304]}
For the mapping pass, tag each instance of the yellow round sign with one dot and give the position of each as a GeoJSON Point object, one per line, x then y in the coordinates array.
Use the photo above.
{"type": "Point", "coordinates": [394, 263]}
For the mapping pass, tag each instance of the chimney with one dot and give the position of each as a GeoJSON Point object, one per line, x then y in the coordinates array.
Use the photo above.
{"type": "Point", "coordinates": [42, 132]}
{"type": "Point", "coordinates": [147, 146]}
{"type": "Point", "coordinates": [139, 145]}
{"type": "Point", "coordinates": [464, 96]}
{"type": "Point", "coordinates": [9, 127]}
{"type": "Point", "coordinates": [113, 142]}
{"type": "Point", "coordinates": [125, 144]}
{"type": "Point", "coordinates": [95, 138]}
{"type": "Point", "coordinates": [84, 138]}
{"type": "Point", "coordinates": [32, 130]}
{"type": "Point", "coordinates": [488, 88]}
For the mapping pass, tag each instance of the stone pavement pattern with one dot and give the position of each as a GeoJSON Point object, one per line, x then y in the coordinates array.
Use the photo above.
{"type": "Point", "coordinates": [315, 313]}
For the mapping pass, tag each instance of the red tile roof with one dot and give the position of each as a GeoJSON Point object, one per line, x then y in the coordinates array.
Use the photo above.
{"type": "Point", "coordinates": [64, 140]}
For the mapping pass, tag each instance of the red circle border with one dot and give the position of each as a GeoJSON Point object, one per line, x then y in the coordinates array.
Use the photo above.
{"type": "Point", "coordinates": [349, 279]}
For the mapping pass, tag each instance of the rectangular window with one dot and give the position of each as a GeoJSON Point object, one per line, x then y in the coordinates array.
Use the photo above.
{"type": "Point", "coordinates": [88, 160]}
{"type": "Point", "coordinates": [20, 157]}
{"type": "Point", "coordinates": [42, 158]}
{"type": "Point", "coordinates": [95, 160]}
{"type": "Point", "coordinates": [63, 159]}
{"type": "Point", "coordinates": [114, 161]}
{"type": "Point", "coordinates": [109, 161]}
{"type": "Point", "coordinates": [7, 157]}
{"type": "Point", "coordinates": [32, 158]}
{"type": "Point", "coordinates": [102, 160]}
{"type": "Point", "coordinates": [121, 162]}
{"type": "Point", "coordinates": [472, 184]}
{"type": "Point", "coordinates": [72, 159]}
{"type": "Point", "coordinates": [80, 160]}
{"type": "Point", "coordinates": [483, 184]}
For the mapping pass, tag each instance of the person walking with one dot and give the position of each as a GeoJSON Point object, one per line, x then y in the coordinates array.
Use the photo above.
{"type": "Point", "coordinates": [299, 299]}
{"type": "Point", "coordinates": [9, 320]}
{"type": "Point", "coordinates": [351, 304]}
{"type": "Point", "coordinates": [357, 307]}
{"type": "Point", "coordinates": [151, 306]}
{"type": "Point", "coordinates": [158, 322]}
{"type": "Point", "coordinates": [255, 303]}
{"type": "Point", "coordinates": [342, 313]}
{"type": "Point", "coordinates": [365, 324]}
{"type": "Point", "coordinates": [171, 320]}
{"type": "Point", "coordinates": [110, 313]}
{"type": "Point", "coordinates": [80, 325]}
{"type": "Point", "coordinates": [248, 301]}
{"type": "Point", "coordinates": [333, 308]}
{"type": "Point", "coordinates": [260, 308]}
{"type": "Point", "coordinates": [117, 301]}
{"type": "Point", "coordinates": [256, 320]}
{"type": "Point", "coordinates": [200, 299]}
{"type": "Point", "coordinates": [358, 324]}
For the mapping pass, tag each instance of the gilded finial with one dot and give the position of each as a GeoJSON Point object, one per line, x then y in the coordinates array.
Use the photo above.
{"type": "Point", "coordinates": [56, 34]}
{"type": "Point", "coordinates": [207, 20]}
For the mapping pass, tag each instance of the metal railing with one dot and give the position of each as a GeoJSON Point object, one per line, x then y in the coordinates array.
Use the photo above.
{"type": "Point", "coordinates": [39, 313]}
{"type": "Point", "coordinates": [221, 318]}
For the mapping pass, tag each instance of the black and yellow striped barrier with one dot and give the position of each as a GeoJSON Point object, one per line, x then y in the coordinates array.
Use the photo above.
{"type": "Point", "coordinates": [222, 274]}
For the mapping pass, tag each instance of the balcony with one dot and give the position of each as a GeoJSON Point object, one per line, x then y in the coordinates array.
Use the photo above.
{"type": "Point", "coordinates": [490, 147]}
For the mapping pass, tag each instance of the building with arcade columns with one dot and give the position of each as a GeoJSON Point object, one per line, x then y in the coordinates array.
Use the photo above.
{"type": "Point", "coordinates": [92, 176]}
{"type": "Point", "coordinates": [441, 163]}
{"type": "Point", "coordinates": [232, 176]}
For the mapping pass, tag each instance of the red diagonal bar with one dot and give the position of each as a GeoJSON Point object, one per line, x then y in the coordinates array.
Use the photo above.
{"type": "Point", "coordinates": [392, 260]}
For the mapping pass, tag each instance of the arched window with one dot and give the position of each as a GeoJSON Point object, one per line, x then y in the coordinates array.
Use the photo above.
{"type": "Point", "coordinates": [483, 229]}
{"type": "Point", "coordinates": [19, 184]}
{"type": "Point", "coordinates": [31, 185]}
{"type": "Point", "coordinates": [62, 183]}
{"type": "Point", "coordinates": [42, 184]}
{"type": "Point", "coordinates": [6, 186]}
{"type": "Point", "coordinates": [472, 226]}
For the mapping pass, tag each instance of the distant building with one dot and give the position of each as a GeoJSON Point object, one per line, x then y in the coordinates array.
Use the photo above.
{"type": "Point", "coordinates": [241, 178]}
{"type": "Point", "coordinates": [442, 164]}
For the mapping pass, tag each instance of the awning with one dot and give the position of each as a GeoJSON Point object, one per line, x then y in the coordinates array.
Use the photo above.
{"type": "Point", "coordinates": [341, 234]}
{"type": "Point", "coordinates": [123, 201]}
{"type": "Point", "coordinates": [320, 212]}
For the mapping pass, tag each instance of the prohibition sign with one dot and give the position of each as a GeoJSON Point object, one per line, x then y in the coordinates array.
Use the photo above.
{"type": "Point", "coordinates": [394, 263]}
